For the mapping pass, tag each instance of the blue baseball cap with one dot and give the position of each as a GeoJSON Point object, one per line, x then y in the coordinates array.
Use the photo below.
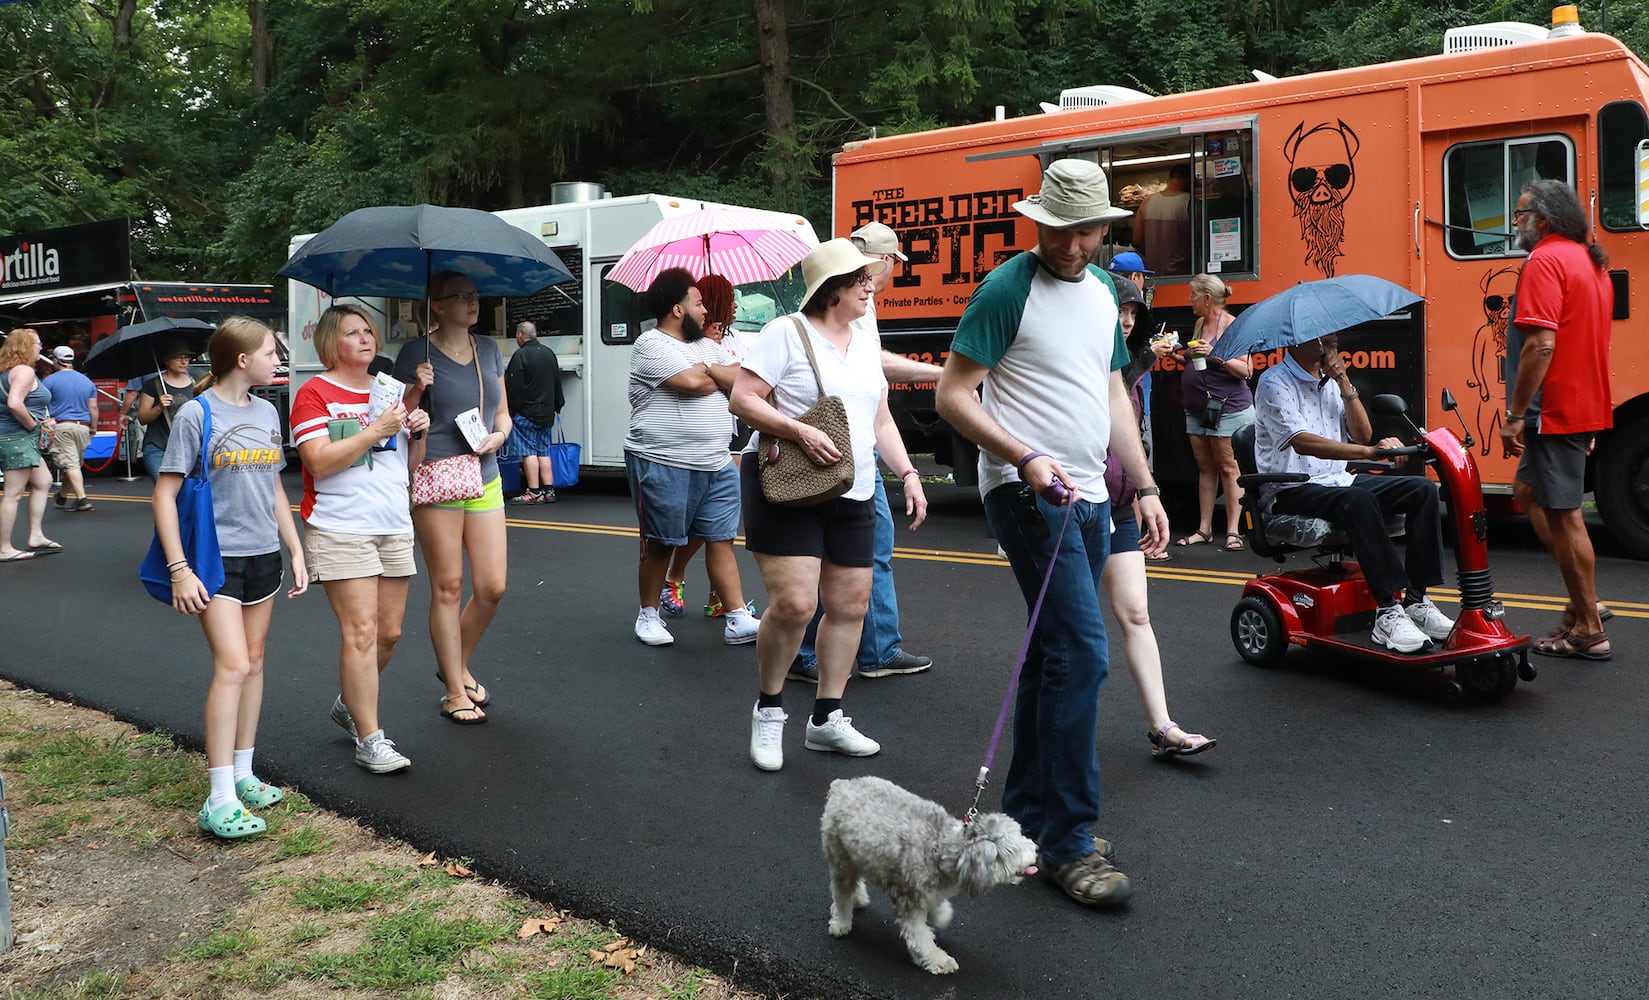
{"type": "Point", "coordinates": [1127, 263]}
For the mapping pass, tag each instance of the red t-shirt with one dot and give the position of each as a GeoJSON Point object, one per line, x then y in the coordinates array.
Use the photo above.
{"type": "Point", "coordinates": [369, 497]}
{"type": "Point", "coordinates": [1560, 289]}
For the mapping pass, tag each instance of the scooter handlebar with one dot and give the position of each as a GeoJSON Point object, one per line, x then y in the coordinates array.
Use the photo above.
{"type": "Point", "coordinates": [1411, 449]}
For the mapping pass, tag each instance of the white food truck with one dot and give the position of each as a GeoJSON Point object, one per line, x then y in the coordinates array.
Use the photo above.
{"type": "Point", "coordinates": [590, 322]}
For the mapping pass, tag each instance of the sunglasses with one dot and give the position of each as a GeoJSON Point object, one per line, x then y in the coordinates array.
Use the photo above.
{"type": "Point", "coordinates": [1303, 179]}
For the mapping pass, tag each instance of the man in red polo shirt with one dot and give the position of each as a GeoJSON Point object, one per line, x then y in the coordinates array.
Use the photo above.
{"type": "Point", "coordinates": [1560, 397]}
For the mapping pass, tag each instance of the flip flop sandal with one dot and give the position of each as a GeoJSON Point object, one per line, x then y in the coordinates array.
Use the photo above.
{"type": "Point", "coordinates": [1159, 557]}
{"type": "Point", "coordinates": [1574, 646]}
{"type": "Point", "coordinates": [47, 549]}
{"type": "Point", "coordinates": [1189, 744]}
{"type": "Point", "coordinates": [478, 693]}
{"type": "Point", "coordinates": [1194, 538]}
{"type": "Point", "coordinates": [255, 793]}
{"type": "Point", "coordinates": [468, 715]}
{"type": "Point", "coordinates": [17, 557]}
{"type": "Point", "coordinates": [230, 822]}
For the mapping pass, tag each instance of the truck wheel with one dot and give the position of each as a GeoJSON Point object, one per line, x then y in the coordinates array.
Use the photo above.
{"type": "Point", "coordinates": [1257, 632]}
{"type": "Point", "coordinates": [1623, 488]}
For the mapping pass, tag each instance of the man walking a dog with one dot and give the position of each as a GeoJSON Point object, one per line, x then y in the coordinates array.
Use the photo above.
{"type": "Point", "coordinates": [1560, 397]}
{"type": "Point", "coordinates": [1041, 334]}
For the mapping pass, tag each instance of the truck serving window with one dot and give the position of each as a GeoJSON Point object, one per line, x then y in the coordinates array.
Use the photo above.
{"type": "Point", "coordinates": [1481, 184]}
{"type": "Point", "coordinates": [1191, 191]}
{"type": "Point", "coordinates": [1620, 127]}
{"type": "Point", "coordinates": [621, 311]}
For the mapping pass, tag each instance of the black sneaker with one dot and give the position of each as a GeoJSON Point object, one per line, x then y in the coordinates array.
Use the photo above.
{"type": "Point", "coordinates": [900, 663]}
{"type": "Point", "coordinates": [57, 499]}
{"type": "Point", "coordinates": [81, 504]}
{"type": "Point", "coordinates": [546, 495]}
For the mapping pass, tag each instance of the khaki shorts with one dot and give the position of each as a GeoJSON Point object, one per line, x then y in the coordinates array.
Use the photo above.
{"type": "Point", "coordinates": [68, 447]}
{"type": "Point", "coordinates": [333, 555]}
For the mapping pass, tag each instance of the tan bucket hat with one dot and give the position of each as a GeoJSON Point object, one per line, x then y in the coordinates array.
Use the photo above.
{"type": "Point", "coordinates": [878, 239]}
{"type": "Point", "coordinates": [1074, 193]}
{"type": "Point", "coordinates": [832, 259]}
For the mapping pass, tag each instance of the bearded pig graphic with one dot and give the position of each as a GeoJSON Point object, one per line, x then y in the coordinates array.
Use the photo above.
{"type": "Point", "coordinates": [1321, 176]}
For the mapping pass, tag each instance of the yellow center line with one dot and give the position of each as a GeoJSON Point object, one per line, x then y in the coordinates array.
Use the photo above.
{"type": "Point", "coordinates": [958, 557]}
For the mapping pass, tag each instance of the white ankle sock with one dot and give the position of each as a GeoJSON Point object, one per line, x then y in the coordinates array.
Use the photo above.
{"type": "Point", "coordinates": [223, 786]}
{"type": "Point", "coordinates": [243, 763]}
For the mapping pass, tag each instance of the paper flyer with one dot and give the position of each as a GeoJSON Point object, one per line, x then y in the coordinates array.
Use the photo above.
{"type": "Point", "coordinates": [385, 394]}
{"type": "Point", "coordinates": [474, 431]}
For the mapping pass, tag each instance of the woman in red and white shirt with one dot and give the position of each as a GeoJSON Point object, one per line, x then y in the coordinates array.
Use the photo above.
{"type": "Point", "coordinates": [358, 524]}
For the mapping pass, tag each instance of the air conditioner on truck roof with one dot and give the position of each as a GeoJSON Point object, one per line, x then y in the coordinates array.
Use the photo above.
{"type": "Point", "coordinates": [1476, 37]}
{"type": "Point", "coordinates": [1074, 98]}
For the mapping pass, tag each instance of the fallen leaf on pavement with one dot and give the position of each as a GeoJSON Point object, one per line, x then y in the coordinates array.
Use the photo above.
{"type": "Point", "coordinates": [538, 926]}
{"type": "Point", "coordinates": [428, 860]}
{"type": "Point", "coordinates": [457, 870]}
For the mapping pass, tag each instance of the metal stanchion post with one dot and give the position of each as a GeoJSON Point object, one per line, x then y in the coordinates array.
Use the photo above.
{"type": "Point", "coordinates": [130, 441]}
{"type": "Point", "coordinates": [6, 938]}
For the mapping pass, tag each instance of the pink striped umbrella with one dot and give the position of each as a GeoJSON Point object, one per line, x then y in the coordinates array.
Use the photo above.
{"type": "Point", "coordinates": [740, 244]}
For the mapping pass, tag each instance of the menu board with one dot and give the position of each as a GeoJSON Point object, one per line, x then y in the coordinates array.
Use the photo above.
{"type": "Point", "coordinates": [557, 310]}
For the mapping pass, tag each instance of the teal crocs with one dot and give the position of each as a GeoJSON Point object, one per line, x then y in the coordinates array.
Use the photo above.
{"type": "Point", "coordinates": [231, 822]}
{"type": "Point", "coordinates": [252, 791]}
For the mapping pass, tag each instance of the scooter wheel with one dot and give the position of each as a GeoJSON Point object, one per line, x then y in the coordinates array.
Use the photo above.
{"type": "Point", "coordinates": [1490, 679]}
{"type": "Point", "coordinates": [1257, 632]}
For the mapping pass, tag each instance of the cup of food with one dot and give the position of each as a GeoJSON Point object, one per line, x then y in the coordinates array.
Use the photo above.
{"type": "Point", "coordinates": [1199, 355]}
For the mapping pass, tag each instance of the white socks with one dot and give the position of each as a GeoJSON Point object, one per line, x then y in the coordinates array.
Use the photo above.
{"type": "Point", "coordinates": [223, 785]}
{"type": "Point", "coordinates": [243, 763]}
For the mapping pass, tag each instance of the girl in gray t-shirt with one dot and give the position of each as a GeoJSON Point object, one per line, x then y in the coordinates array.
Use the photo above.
{"type": "Point", "coordinates": [253, 517]}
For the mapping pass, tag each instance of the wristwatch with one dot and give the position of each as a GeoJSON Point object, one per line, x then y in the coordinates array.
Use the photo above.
{"type": "Point", "coordinates": [1149, 491]}
{"type": "Point", "coordinates": [1514, 415]}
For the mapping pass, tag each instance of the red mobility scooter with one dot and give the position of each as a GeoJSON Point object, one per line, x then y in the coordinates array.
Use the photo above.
{"type": "Point", "coordinates": [1329, 605]}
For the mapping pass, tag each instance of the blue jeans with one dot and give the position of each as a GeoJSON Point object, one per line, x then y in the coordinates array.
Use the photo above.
{"type": "Point", "coordinates": [1052, 787]}
{"type": "Point", "coordinates": [879, 640]}
{"type": "Point", "coordinates": [151, 460]}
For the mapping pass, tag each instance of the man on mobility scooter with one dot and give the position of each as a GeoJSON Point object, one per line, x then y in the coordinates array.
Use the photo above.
{"type": "Point", "coordinates": [1309, 420]}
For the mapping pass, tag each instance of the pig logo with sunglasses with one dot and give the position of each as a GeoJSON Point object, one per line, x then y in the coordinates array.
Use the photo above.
{"type": "Point", "coordinates": [1321, 176]}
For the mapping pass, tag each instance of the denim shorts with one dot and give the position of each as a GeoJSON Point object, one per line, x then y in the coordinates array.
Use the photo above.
{"type": "Point", "coordinates": [1229, 423]}
{"type": "Point", "coordinates": [531, 440]}
{"type": "Point", "coordinates": [1124, 530]}
{"type": "Point", "coordinates": [675, 504]}
{"type": "Point", "coordinates": [251, 579]}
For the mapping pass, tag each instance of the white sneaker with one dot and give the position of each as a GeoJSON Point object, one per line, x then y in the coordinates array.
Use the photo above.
{"type": "Point", "coordinates": [341, 716]}
{"type": "Point", "coordinates": [650, 628]}
{"type": "Point", "coordinates": [1430, 620]}
{"type": "Point", "coordinates": [1394, 629]}
{"type": "Point", "coordinates": [740, 627]}
{"type": "Point", "coordinates": [377, 754]}
{"type": "Point", "coordinates": [838, 734]}
{"type": "Point", "coordinates": [767, 738]}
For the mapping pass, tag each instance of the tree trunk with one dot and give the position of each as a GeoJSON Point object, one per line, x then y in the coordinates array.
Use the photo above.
{"type": "Point", "coordinates": [263, 48]}
{"type": "Point", "coordinates": [778, 99]}
{"type": "Point", "coordinates": [122, 29]}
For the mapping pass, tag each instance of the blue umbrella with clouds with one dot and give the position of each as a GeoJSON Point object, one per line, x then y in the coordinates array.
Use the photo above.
{"type": "Point", "coordinates": [1310, 310]}
{"type": "Point", "coordinates": [391, 250]}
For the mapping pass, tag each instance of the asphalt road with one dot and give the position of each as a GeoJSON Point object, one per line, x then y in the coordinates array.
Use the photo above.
{"type": "Point", "coordinates": [1351, 835]}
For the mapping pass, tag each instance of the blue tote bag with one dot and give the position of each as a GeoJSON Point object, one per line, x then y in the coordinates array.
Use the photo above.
{"type": "Point", "coordinates": [197, 527]}
{"type": "Point", "coordinates": [564, 459]}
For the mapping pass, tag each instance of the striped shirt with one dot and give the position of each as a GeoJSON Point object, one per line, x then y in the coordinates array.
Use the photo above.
{"type": "Point", "coordinates": [669, 427]}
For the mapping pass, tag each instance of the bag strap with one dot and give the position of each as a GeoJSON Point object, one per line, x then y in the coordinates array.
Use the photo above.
{"type": "Point", "coordinates": [807, 345]}
{"type": "Point", "coordinates": [205, 432]}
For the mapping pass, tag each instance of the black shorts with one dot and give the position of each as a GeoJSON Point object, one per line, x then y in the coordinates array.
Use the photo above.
{"type": "Point", "coordinates": [1555, 465]}
{"type": "Point", "coordinates": [841, 532]}
{"type": "Point", "coordinates": [251, 579]}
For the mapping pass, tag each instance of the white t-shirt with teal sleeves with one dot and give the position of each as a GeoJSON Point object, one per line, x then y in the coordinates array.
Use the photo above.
{"type": "Point", "coordinates": [1051, 344]}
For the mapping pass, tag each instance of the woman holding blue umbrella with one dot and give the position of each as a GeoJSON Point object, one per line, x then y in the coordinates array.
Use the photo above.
{"type": "Point", "coordinates": [454, 374]}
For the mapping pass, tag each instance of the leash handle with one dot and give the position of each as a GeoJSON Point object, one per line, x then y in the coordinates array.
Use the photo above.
{"type": "Point", "coordinates": [1019, 665]}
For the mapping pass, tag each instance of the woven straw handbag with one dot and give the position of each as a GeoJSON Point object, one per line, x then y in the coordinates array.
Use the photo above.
{"type": "Point", "coordinates": [789, 477]}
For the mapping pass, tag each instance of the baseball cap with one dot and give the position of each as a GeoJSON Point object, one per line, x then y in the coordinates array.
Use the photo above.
{"type": "Point", "coordinates": [878, 239]}
{"type": "Point", "coordinates": [1128, 262]}
{"type": "Point", "coordinates": [64, 353]}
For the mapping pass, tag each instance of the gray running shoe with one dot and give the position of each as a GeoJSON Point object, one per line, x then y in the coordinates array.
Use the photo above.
{"type": "Point", "coordinates": [377, 754]}
{"type": "Point", "coordinates": [899, 663]}
{"type": "Point", "coordinates": [341, 716]}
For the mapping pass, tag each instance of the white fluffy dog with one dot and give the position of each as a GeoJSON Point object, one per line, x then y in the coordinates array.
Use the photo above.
{"type": "Point", "coordinates": [916, 852]}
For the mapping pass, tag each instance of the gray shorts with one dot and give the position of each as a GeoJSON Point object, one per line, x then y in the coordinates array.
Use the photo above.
{"type": "Point", "coordinates": [1555, 465]}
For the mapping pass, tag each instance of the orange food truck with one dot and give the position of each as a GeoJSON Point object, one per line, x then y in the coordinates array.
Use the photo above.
{"type": "Point", "coordinates": [1408, 170]}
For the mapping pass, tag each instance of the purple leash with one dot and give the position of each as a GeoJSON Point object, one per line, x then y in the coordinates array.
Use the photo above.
{"type": "Point", "coordinates": [1019, 665]}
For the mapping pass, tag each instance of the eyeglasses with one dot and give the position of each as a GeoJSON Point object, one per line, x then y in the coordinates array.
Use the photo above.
{"type": "Point", "coordinates": [1518, 213]}
{"type": "Point", "coordinates": [460, 296]}
{"type": "Point", "coordinates": [862, 278]}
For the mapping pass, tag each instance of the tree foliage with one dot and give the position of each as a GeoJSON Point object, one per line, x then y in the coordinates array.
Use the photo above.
{"type": "Point", "coordinates": [223, 127]}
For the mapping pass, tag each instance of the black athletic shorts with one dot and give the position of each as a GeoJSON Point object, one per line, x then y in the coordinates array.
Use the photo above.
{"type": "Point", "coordinates": [841, 532]}
{"type": "Point", "coordinates": [251, 579]}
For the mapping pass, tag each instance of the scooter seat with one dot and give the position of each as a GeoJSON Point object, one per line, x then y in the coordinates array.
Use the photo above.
{"type": "Point", "coordinates": [1302, 532]}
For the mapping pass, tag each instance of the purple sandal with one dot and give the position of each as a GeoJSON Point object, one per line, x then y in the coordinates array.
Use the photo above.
{"type": "Point", "coordinates": [1190, 743]}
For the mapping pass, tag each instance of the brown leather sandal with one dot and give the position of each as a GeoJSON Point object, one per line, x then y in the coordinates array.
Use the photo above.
{"type": "Point", "coordinates": [1574, 646]}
